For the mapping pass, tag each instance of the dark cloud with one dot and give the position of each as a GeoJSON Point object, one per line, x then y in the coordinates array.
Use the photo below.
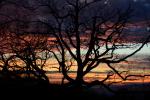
{"type": "Point", "coordinates": [140, 8]}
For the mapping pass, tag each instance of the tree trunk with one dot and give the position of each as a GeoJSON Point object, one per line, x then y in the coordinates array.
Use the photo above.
{"type": "Point", "coordinates": [79, 79]}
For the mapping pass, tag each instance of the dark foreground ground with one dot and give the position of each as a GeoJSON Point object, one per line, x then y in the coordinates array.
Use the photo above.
{"type": "Point", "coordinates": [31, 89]}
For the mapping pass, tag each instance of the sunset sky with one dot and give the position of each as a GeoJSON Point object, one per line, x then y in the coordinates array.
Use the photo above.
{"type": "Point", "coordinates": [140, 8]}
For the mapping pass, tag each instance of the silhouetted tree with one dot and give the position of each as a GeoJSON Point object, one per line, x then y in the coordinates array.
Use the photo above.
{"type": "Point", "coordinates": [22, 54]}
{"type": "Point", "coordinates": [87, 34]}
